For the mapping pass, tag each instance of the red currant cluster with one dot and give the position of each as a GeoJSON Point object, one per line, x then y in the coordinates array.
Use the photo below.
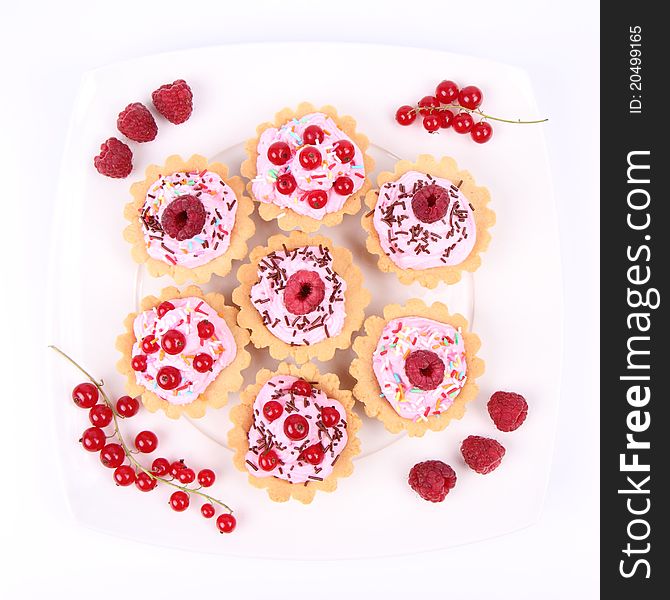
{"type": "Point", "coordinates": [449, 107]}
{"type": "Point", "coordinates": [117, 454]}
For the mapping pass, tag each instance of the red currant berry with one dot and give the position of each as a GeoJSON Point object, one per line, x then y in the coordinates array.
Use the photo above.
{"type": "Point", "coordinates": [173, 341]}
{"type": "Point", "coordinates": [314, 454]}
{"type": "Point", "coordinates": [93, 439]}
{"type": "Point", "coordinates": [186, 475]}
{"type": "Point", "coordinates": [446, 91]}
{"type": "Point", "coordinates": [296, 427]}
{"type": "Point", "coordinates": [127, 406]}
{"type": "Point", "coordinates": [176, 466]}
{"type": "Point", "coordinates": [300, 387]}
{"type": "Point", "coordinates": [112, 455]}
{"type": "Point", "coordinates": [313, 134]}
{"type": "Point", "coordinates": [445, 117]}
{"type": "Point", "coordinates": [164, 308]}
{"type": "Point", "coordinates": [168, 378]}
{"type": "Point", "coordinates": [343, 186]}
{"type": "Point", "coordinates": [146, 441]}
{"type": "Point", "coordinates": [405, 115]}
{"type": "Point", "coordinates": [205, 329]}
{"type": "Point", "coordinates": [85, 395]}
{"type": "Point", "coordinates": [481, 132]}
{"type": "Point", "coordinates": [203, 363]}
{"type": "Point", "coordinates": [160, 467]}
{"type": "Point", "coordinates": [149, 345]}
{"type": "Point", "coordinates": [431, 123]}
{"type": "Point", "coordinates": [139, 363]}
{"type": "Point", "coordinates": [286, 184]}
{"type": "Point", "coordinates": [316, 199]}
{"type": "Point", "coordinates": [226, 523]}
{"type": "Point", "coordinates": [470, 97]}
{"type": "Point", "coordinates": [310, 158]}
{"type": "Point", "coordinates": [272, 410]}
{"type": "Point", "coordinates": [124, 475]}
{"type": "Point", "coordinates": [145, 482]}
{"type": "Point", "coordinates": [207, 510]}
{"type": "Point", "coordinates": [330, 416]}
{"type": "Point", "coordinates": [206, 477]}
{"type": "Point", "coordinates": [462, 122]}
{"type": "Point", "coordinates": [344, 150]}
{"type": "Point", "coordinates": [279, 153]}
{"type": "Point", "coordinates": [427, 104]}
{"type": "Point", "coordinates": [179, 501]}
{"type": "Point", "coordinates": [100, 415]}
{"type": "Point", "coordinates": [268, 460]}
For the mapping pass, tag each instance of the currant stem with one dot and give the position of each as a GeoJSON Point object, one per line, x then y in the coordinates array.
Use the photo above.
{"type": "Point", "coordinates": [416, 109]}
{"type": "Point", "coordinates": [117, 433]}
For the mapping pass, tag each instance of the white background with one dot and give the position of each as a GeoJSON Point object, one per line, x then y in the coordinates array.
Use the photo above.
{"type": "Point", "coordinates": [44, 49]}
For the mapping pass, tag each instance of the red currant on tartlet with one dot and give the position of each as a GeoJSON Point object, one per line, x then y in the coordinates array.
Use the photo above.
{"type": "Point", "coordinates": [203, 362]}
{"type": "Point", "coordinates": [139, 363]}
{"type": "Point", "coordinates": [286, 184]}
{"type": "Point", "coordinates": [168, 378]}
{"type": "Point", "coordinates": [164, 308]}
{"type": "Point", "coordinates": [296, 427]}
{"type": "Point", "coordinates": [313, 134]}
{"type": "Point", "coordinates": [173, 342]}
{"type": "Point", "coordinates": [301, 387]}
{"type": "Point", "coordinates": [344, 150]}
{"type": "Point", "coordinates": [272, 410]}
{"type": "Point", "coordinates": [205, 329]}
{"type": "Point", "coordinates": [279, 153]}
{"type": "Point", "coordinates": [310, 158]}
{"type": "Point", "coordinates": [343, 185]}
{"type": "Point", "coordinates": [329, 416]}
{"type": "Point", "coordinates": [316, 199]}
{"type": "Point", "coordinates": [268, 460]}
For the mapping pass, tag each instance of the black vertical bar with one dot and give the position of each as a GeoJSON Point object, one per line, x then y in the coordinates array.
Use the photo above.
{"type": "Point", "coordinates": [635, 428]}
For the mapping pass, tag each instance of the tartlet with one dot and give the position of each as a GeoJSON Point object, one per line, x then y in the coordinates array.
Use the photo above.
{"type": "Point", "coordinates": [294, 439]}
{"type": "Point", "coordinates": [308, 168]}
{"type": "Point", "coordinates": [416, 367]}
{"type": "Point", "coordinates": [301, 296]}
{"type": "Point", "coordinates": [428, 221]}
{"type": "Point", "coordinates": [183, 352]}
{"type": "Point", "coordinates": [188, 219]}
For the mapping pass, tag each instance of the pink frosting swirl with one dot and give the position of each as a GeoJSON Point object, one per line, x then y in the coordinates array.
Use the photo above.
{"type": "Point", "coordinates": [321, 178]}
{"type": "Point", "coordinates": [184, 318]}
{"type": "Point", "coordinates": [267, 296]}
{"type": "Point", "coordinates": [414, 244]}
{"type": "Point", "coordinates": [269, 436]}
{"type": "Point", "coordinates": [399, 339]}
{"type": "Point", "coordinates": [219, 202]}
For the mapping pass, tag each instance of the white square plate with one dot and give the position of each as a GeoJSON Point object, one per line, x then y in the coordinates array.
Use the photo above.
{"type": "Point", "coordinates": [513, 301]}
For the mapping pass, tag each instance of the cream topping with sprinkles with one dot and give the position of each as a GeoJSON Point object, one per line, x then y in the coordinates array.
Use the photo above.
{"type": "Point", "coordinates": [413, 244]}
{"type": "Point", "coordinates": [399, 339]}
{"type": "Point", "coordinates": [184, 317]}
{"type": "Point", "coordinates": [267, 296]}
{"type": "Point", "coordinates": [220, 204]}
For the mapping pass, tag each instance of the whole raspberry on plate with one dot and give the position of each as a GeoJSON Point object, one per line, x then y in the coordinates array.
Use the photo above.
{"type": "Point", "coordinates": [508, 410]}
{"type": "Point", "coordinates": [115, 159]}
{"type": "Point", "coordinates": [137, 123]}
{"type": "Point", "coordinates": [432, 480]}
{"type": "Point", "coordinates": [174, 101]}
{"type": "Point", "coordinates": [481, 454]}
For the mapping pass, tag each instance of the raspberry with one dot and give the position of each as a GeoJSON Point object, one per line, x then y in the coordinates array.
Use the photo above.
{"type": "Point", "coordinates": [115, 159]}
{"type": "Point", "coordinates": [424, 369]}
{"type": "Point", "coordinates": [174, 101]}
{"type": "Point", "coordinates": [184, 217]}
{"type": "Point", "coordinates": [430, 203]}
{"type": "Point", "coordinates": [137, 123]}
{"type": "Point", "coordinates": [432, 480]}
{"type": "Point", "coordinates": [304, 292]}
{"type": "Point", "coordinates": [481, 454]}
{"type": "Point", "coordinates": [508, 410]}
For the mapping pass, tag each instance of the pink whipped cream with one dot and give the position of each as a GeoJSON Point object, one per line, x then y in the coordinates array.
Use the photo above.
{"type": "Point", "coordinates": [272, 453]}
{"type": "Point", "coordinates": [321, 178]}
{"type": "Point", "coordinates": [274, 270]}
{"type": "Point", "coordinates": [413, 244]}
{"type": "Point", "coordinates": [187, 317]}
{"type": "Point", "coordinates": [399, 339]}
{"type": "Point", "coordinates": [220, 204]}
